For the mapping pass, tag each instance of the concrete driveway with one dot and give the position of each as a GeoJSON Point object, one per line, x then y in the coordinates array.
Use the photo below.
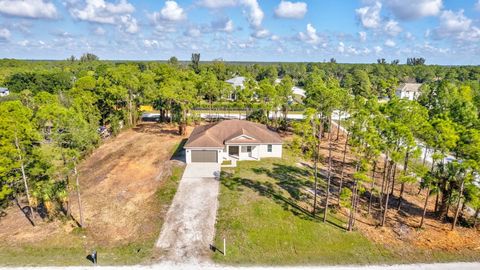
{"type": "Point", "coordinates": [189, 227]}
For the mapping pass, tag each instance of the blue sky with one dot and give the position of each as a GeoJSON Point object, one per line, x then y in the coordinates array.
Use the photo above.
{"type": "Point", "coordinates": [442, 31]}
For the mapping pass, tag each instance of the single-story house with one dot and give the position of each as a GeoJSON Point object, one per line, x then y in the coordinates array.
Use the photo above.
{"type": "Point", "coordinates": [237, 82]}
{"type": "Point", "coordinates": [409, 91]}
{"type": "Point", "coordinates": [232, 140]}
{"type": "Point", "coordinates": [4, 92]}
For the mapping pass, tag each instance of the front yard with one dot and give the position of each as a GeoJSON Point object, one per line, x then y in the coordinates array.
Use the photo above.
{"type": "Point", "coordinates": [264, 215]}
{"type": "Point", "coordinates": [128, 184]}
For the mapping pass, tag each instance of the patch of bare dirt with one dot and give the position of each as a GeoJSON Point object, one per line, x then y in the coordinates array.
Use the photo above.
{"type": "Point", "coordinates": [118, 184]}
{"type": "Point", "coordinates": [401, 230]}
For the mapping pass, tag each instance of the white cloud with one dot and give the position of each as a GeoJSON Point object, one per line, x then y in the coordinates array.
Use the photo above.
{"type": "Point", "coordinates": [454, 22]}
{"type": "Point", "coordinates": [414, 9]}
{"type": "Point", "coordinates": [390, 43]}
{"type": "Point", "coordinates": [369, 16]}
{"type": "Point", "coordinates": [457, 26]}
{"type": "Point", "coordinates": [151, 43]}
{"type": "Point", "coordinates": [362, 36]}
{"type": "Point", "coordinates": [275, 38]}
{"type": "Point", "coordinates": [255, 14]}
{"type": "Point", "coordinates": [223, 25]}
{"type": "Point", "coordinates": [341, 47]}
{"type": "Point", "coordinates": [23, 43]}
{"type": "Point", "coordinates": [100, 31]}
{"type": "Point", "coordinates": [99, 11]}
{"type": "Point", "coordinates": [171, 12]}
{"type": "Point", "coordinates": [392, 28]}
{"type": "Point", "coordinates": [217, 3]}
{"type": "Point", "coordinates": [261, 33]}
{"type": "Point", "coordinates": [252, 10]}
{"type": "Point", "coordinates": [4, 34]}
{"type": "Point", "coordinates": [377, 49]}
{"type": "Point", "coordinates": [37, 9]}
{"type": "Point", "coordinates": [291, 10]}
{"type": "Point", "coordinates": [193, 32]}
{"type": "Point", "coordinates": [477, 5]}
{"type": "Point", "coordinates": [128, 24]}
{"type": "Point", "coordinates": [409, 36]}
{"type": "Point", "coordinates": [310, 36]}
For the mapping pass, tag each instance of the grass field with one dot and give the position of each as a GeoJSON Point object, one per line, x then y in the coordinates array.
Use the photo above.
{"type": "Point", "coordinates": [265, 216]}
{"type": "Point", "coordinates": [64, 250]}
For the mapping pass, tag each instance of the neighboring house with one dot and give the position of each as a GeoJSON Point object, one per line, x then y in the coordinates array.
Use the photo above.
{"type": "Point", "coordinates": [236, 83]}
{"type": "Point", "coordinates": [232, 140]}
{"type": "Point", "coordinates": [409, 91]}
{"type": "Point", "coordinates": [4, 92]}
{"type": "Point", "coordinates": [298, 91]}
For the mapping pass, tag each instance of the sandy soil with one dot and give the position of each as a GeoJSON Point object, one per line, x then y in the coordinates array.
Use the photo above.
{"type": "Point", "coordinates": [118, 183]}
{"type": "Point", "coordinates": [401, 231]}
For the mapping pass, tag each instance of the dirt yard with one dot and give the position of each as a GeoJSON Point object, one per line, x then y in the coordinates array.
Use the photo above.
{"type": "Point", "coordinates": [119, 182]}
{"type": "Point", "coordinates": [401, 233]}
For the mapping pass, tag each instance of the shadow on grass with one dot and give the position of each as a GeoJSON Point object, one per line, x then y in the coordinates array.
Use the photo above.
{"type": "Point", "coordinates": [179, 153]}
{"type": "Point", "coordinates": [267, 190]}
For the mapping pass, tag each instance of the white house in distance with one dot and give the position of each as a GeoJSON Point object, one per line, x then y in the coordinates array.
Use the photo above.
{"type": "Point", "coordinates": [4, 92]}
{"type": "Point", "coordinates": [232, 140]}
{"type": "Point", "coordinates": [236, 83]}
{"type": "Point", "coordinates": [409, 91]}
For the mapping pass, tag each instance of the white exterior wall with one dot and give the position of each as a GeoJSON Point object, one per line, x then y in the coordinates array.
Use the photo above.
{"type": "Point", "coordinates": [258, 152]}
{"type": "Point", "coordinates": [410, 95]}
{"type": "Point", "coordinates": [276, 150]}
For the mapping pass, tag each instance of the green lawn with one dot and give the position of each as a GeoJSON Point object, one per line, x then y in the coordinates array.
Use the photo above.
{"type": "Point", "coordinates": [264, 215]}
{"type": "Point", "coordinates": [65, 249]}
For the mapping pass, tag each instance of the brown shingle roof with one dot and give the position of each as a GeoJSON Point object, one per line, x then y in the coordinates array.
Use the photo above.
{"type": "Point", "coordinates": [229, 131]}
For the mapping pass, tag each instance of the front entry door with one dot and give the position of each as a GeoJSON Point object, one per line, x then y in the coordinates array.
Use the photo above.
{"type": "Point", "coordinates": [233, 150]}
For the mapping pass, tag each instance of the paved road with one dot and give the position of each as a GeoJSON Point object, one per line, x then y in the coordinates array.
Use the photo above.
{"type": "Point", "coordinates": [169, 266]}
{"type": "Point", "coordinates": [189, 228]}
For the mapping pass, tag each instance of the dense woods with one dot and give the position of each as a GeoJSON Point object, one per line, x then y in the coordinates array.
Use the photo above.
{"type": "Point", "coordinates": [58, 112]}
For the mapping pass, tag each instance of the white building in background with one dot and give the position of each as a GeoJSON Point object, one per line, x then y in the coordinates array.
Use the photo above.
{"type": "Point", "coordinates": [298, 91]}
{"type": "Point", "coordinates": [4, 92]}
{"type": "Point", "coordinates": [410, 91]}
{"type": "Point", "coordinates": [236, 83]}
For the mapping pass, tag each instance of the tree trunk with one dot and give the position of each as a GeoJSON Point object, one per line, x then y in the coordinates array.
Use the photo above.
{"type": "Point", "coordinates": [80, 207]}
{"type": "Point", "coordinates": [314, 128]}
{"type": "Point", "coordinates": [394, 174]}
{"type": "Point", "coordinates": [444, 201]}
{"type": "Point", "coordinates": [402, 188]}
{"type": "Point", "coordinates": [24, 176]}
{"type": "Point", "coordinates": [385, 173]}
{"type": "Point", "coordinates": [425, 155]}
{"type": "Point", "coordinates": [352, 207]}
{"type": "Point", "coordinates": [372, 187]}
{"type": "Point", "coordinates": [457, 211]}
{"type": "Point", "coordinates": [338, 125]}
{"type": "Point", "coordinates": [385, 209]}
{"type": "Point", "coordinates": [425, 208]}
{"type": "Point", "coordinates": [130, 109]}
{"type": "Point", "coordinates": [329, 170]}
{"type": "Point", "coordinates": [340, 186]}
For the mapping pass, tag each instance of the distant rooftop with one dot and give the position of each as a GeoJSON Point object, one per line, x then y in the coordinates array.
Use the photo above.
{"type": "Point", "coordinates": [411, 87]}
{"type": "Point", "coordinates": [237, 81]}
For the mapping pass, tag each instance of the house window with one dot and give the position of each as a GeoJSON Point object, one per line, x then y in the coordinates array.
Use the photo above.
{"type": "Point", "coordinates": [269, 148]}
{"type": "Point", "coordinates": [249, 149]}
